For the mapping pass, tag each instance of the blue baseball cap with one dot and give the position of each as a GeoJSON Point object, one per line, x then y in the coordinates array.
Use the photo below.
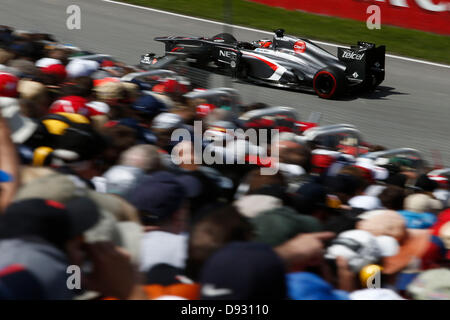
{"type": "Point", "coordinates": [157, 196]}
{"type": "Point", "coordinates": [149, 105]}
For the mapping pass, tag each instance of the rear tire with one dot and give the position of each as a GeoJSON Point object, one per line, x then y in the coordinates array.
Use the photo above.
{"type": "Point", "coordinates": [329, 83]}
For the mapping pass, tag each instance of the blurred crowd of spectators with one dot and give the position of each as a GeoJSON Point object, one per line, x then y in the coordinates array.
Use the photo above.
{"type": "Point", "coordinates": [87, 180]}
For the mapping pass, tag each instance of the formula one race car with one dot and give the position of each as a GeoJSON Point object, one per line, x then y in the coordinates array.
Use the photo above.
{"type": "Point", "coordinates": [285, 61]}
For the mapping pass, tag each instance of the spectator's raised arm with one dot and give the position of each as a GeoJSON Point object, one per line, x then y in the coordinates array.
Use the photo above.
{"type": "Point", "coordinates": [9, 164]}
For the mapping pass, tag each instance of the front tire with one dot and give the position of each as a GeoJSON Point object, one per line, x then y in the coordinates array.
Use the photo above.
{"type": "Point", "coordinates": [329, 83]}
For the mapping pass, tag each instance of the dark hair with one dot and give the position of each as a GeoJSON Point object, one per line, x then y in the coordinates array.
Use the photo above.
{"type": "Point", "coordinates": [392, 197]}
{"type": "Point", "coordinates": [257, 181]}
{"type": "Point", "coordinates": [306, 154]}
{"type": "Point", "coordinates": [398, 179]}
{"type": "Point", "coordinates": [213, 232]}
{"type": "Point", "coordinates": [79, 86]}
{"type": "Point", "coordinates": [426, 184]}
{"type": "Point", "coordinates": [345, 184]}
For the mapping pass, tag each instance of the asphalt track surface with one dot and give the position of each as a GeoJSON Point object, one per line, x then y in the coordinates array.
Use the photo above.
{"type": "Point", "coordinates": [410, 109]}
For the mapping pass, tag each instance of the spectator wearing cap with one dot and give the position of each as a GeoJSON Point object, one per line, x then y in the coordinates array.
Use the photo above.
{"type": "Point", "coordinates": [174, 89]}
{"type": "Point", "coordinates": [322, 160]}
{"type": "Point", "coordinates": [76, 144]}
{"type": "Point", "coordinates": [8, 85]}
{"type": "Point", "coordinates": [163, 126]}
{"type": "Point", "coordinates": [160, 200]}
{"type": "Point", "coordinates": [147, 107]}
{"type": "Point", "coordinates": [365, 202]}
{"type": "Point", "coordinates": [416, 245]}
{"type": "Point", "coordinates": [255, 271]}
{"type": "Point", "coordinates": [52, 67]}
{"type": "Point", "coordinates": [243, 271]}
{"type": "Point", "coordinates": [45, 237]}
{"type": "Point", "coordinates": [76, 96]}
{"type": "Point", "coordinates": [81, 67]}
{"type": "Point", "coordinates": [120, 179]}
{"type": "Point", "coordinates": [70, 104]}
{"type": "Point", "coordinates": [311, 199]}
{"type": "Point", "coordinates": [119, 221]}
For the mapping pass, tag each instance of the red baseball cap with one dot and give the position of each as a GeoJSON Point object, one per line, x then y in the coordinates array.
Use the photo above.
{"type": "Point", "coordinates": [56, 69]}
{"type": "Point", "coordinates": [170, 86]}
{"type": "Point", "coordinates": [322, 159]}
{"type": "Point", "coordinates": [8, 85]}
{"type": "Point", "coordinates": [71, 104]}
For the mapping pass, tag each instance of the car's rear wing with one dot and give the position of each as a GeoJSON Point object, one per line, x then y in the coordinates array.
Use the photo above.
{"type": "Point", "coordinates": [365, 61]}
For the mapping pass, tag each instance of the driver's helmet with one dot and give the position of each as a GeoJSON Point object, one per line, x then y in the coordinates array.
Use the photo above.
{"type": "Point", "coordinates": [263, 43]}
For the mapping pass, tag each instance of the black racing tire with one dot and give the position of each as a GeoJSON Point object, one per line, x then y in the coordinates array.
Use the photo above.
{"type": "Point", "coordinates": [329, 83]}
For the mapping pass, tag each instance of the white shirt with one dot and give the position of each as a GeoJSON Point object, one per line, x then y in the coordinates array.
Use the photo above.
{"type": "Point", "coordinates": [163, 247]}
